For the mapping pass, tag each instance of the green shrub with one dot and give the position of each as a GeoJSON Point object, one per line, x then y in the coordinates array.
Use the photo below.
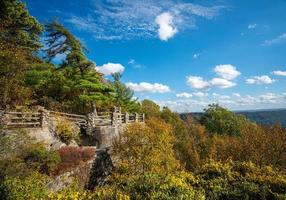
{"type": "Point", "coordinates": [20, 155]}
{"type": "Point", "coordinates": [32, 187]}
{"type": "Point", "coordinates": [241, 180]}
{"type": "Point", "coordinates": [66, 131]}
{"type": "Point", "coordinates": [40, 159]}
{"type": "Point", "coordinates": [219, 120]}
{"type": "Point", "coordinates": [152, 186]}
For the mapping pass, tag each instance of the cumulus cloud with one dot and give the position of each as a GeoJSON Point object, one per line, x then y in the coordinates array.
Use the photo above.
{"type": "Point", "coordinates": [233, 102]}
{"type": "Point", "coordinates": [110, 68]}
{"type": "Point", "coordinates": [279, 73]}
{"type": "Point", "coordinates": [222, 83]}
{"type": "Point", "coordinates": [259, 80]}
{"type": "Point", "coordinates": [184, 95]}
{"type": "Point", "coordinates": [197, 82]}
{"type": "Point", "coordinates": [269, 97]}
{"type": "Point", "coordinates": [145, 87]}
{"type": "Point", "coordinates": [166, 26]}
{"type": "Point", "coordinates": [228, 72]}
{"type": "Point", "coordinates": [219, 96]}
{"type": "Point", "coordinates": [279, 39]}
{"type": "Point", "coordinates": [194, 94]}
{"type": "Point", "coordinates": [236, 94]}
{"type": "Point", "coordinates": [200, 94]}
{"type": "Point", "coordinates": [251, 26]}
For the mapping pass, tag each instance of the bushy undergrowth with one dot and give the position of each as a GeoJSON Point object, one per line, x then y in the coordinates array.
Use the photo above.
{"type": "Point", "coordinates": [149, 164]}
{"type": "Point", "coordinates": [40, 159]}
{"type": "Point", "coordinates": [72, 156]}
{"type": "Point", "coordinates": [66, 131]}
{"type": "Point", "coordinates": [21, 155]}
{"type": "Point", "coordinates": [31, 187]}
{"type": "Point", "coordinates": [240, 180]}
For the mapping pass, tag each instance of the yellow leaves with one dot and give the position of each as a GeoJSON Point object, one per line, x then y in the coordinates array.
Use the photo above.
{"type": "Point", "coordinates": [71, 195]}
{"type": "Point", "coordinates": [120, 196]}
{"type": "Point", "coordinates": [65, 130]}
{"type": "Point", "coordinates": [149, 147]}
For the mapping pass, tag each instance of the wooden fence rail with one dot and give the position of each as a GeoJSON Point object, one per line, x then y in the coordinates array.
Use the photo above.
{"type": "Point", "coordinates": [17, 119]}
{"type": "Point", "coordinates": [22, 119]}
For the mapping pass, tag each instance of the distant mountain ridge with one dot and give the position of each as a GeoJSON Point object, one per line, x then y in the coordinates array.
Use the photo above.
{"type": "Point", "coordinates": [262, 117]}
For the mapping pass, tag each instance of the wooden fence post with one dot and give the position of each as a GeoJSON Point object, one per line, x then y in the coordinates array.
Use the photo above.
{"type": "Point", "coordinates": [126, 118]}
{"type": "Point", "coordinates": [120, 116]}
{"type": "Point", "coordinates": [114, 117]}
{"type": "Point", "coordinates": [44, 115]}
{"type": "Point", "coordinates": [136, 117]}
{"type": "Point", "coordinates": [3, 118]}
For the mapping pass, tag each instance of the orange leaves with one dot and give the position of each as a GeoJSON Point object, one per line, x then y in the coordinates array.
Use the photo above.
{"type": "Point", "coordinates": [263, 146]}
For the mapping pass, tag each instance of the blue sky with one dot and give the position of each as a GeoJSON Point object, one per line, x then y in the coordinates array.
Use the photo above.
{"type": "Point", "coordinates": [184, 54]}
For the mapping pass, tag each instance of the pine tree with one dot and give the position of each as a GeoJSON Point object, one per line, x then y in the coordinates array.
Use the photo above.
{"type": "Point", "coordinates": [19, 42]}
{"type": "Point", "coordinates": [75, 86]}
{"type": "Point", "coordinates": [61, 41]}
{"type": "Point", "coordinates": [124, 95]}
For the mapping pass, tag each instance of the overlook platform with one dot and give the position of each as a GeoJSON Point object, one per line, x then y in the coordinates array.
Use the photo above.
{"type": "Point", "coordinates": [104, 127]}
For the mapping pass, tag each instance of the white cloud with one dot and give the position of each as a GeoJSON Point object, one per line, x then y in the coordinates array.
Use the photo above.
{"type": "Point", "coordinates": [262, 101]}
{"type": "Point", "coordinates": [219, 96]}
{"type": "Point", "coordinates": [226, 74]}
{"type": "Point", "coordinates": [281, 38]}
{"type": "Point", "coordinates": [227, 71]}
{"type": "Point", "coordinates": [269, 97]}
{"type": "Point", "coordinates": [236, 94]}
{"type": "Point", "coordinates": [260, 80]}
{"type": "Point", "coordinates": [110, 68]}
{"type": "Point", "coordinates": [279, 73]}
{"type": "Point", "coordinates": [134, 64]}
{"type": "Point", "coordinates": [222, 83]}
{"type": "Point", "coordinates": [148, 87]}
{"type": "Point", "coordinates": [166, 26]}
{"type": "Point", "coordinates": [184, 95]}
{"type": "Point", "coordinates": [200, 94]}
{"type": "Point", "coordinates": [251, 26]}
{"type": "Point", "coordinates": [126, 19]}
{"type": "Point", "coordinates": [197, 82]}
{"type": "Point", "coordinates": [196, 55]}
{"type": "Point", "coordinates": [131, 61]}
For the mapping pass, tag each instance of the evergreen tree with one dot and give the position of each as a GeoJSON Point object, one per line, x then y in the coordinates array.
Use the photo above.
{"type": "Point", "coordinates": [19, 42]}
{"type": "Point", "coordinates": [61, 41]}
{"type": "Point", "coordinates": [124, 95]}
{"type": "Point", "coordinates": [17, 26]}
{"type": "Point", "coordinates": [75, 85]}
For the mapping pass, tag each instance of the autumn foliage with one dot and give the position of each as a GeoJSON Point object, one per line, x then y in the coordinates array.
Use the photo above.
{"type": "Point", "coordinates": [146, 148]}
{"type": "Point", "coordinates": [72, 156]}
{"type": "Point", "coordinates": [221, 156]}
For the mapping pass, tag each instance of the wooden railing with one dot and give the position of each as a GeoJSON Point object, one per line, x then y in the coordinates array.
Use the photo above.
{"type": "Point", "coordinates": [78, 119]}
{"type": "Point", "coordinates": [24, 119]}
{"type": "Point", "coordinates": [102, 120]}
